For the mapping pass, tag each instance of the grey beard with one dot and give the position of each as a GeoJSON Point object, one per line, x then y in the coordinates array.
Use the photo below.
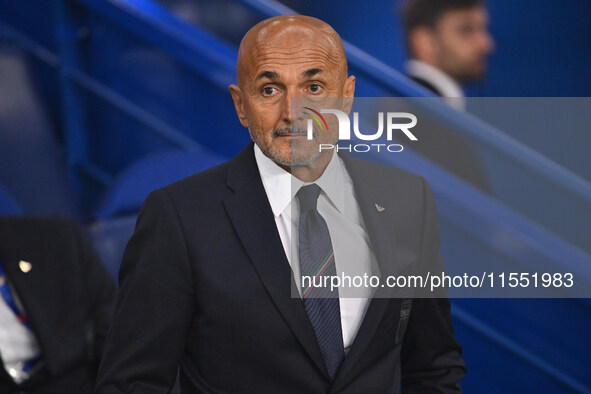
{"type": "Point", "coordinates": [295, 157]}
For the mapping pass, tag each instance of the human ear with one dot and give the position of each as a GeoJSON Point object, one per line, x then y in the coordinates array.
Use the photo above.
{"type": "Point", "coordinates": [239, 104]}
{"type": "Point", "coordinates": [423, 45]}
{"type": "Point", "coordinates": [349, 93]}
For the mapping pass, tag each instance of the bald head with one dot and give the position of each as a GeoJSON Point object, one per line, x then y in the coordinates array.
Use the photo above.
{"type": "Point", "coordinates": [266, 40]}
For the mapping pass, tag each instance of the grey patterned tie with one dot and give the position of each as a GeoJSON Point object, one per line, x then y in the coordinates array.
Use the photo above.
{"type": "Point", "coordinates": [317, 261]}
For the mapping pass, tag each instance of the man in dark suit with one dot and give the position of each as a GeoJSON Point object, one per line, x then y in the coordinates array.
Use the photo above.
{"type": "Point", "coordinates": [56, 306]}
{"type": "Point", "coordinates": [206, 279]}
{"type": "Point", "coordinates": [449, 44]}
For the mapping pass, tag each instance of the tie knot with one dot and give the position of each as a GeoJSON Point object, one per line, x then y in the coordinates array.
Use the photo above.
{"type": "Point", "coordinates": [308, 196]}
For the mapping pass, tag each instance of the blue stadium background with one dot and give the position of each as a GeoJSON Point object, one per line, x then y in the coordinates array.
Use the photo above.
{"type": "Point", "coordinates": [102, 101]}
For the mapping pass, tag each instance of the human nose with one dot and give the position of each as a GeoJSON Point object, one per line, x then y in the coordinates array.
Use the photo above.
{"type": "Point", "coordinates": [286, 108]}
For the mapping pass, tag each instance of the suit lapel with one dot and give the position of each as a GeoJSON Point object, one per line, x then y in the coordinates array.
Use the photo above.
{"type": "Point", "coordinates": [253, 220]}
{"type": "Point", "coordinates": [379, 225]}
{"type": "Point", "coordinates": [378, 212]}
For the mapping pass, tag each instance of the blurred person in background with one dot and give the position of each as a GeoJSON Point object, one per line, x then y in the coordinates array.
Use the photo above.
{"type": "Point", "coordinates": [449, 45]}
{"type": "Point", "coordinates": [55, 307]}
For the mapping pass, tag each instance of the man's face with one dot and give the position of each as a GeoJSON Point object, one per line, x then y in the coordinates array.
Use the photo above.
{"type": "Point", "coordinates": [462, 44]}
{"type": "Point", "coordinates": [285, 64]}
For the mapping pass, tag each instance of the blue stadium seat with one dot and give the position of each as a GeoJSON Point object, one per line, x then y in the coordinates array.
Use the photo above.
{"type": "Point", "coordinates": [8, 205]}
{"type": "Point", "coordinates": [116, 215]}
{"type": "Point", "coordinates": [32, 161]}
{"type": "Point", "coordinates": [128, 191]}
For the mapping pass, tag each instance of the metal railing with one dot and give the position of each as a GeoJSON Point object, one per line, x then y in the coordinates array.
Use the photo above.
{"type": "Point", "coordinates": [215, 60]}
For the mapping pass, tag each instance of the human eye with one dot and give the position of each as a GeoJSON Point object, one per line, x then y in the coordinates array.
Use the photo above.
{"type": "Point", "coordinates": [466, 30]}
{"type": "Point", "coordinates": [269, 91]}
{"type": "Point", "coordinates": [315, 88]}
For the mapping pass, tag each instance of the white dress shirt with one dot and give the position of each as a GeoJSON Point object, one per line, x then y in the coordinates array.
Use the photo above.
{"type": "Point", "coordinates": [450, 91]}
{"type": "Point", "coordinates": [338, 207]}
{"type": "Point", "coordinates": [17, 343]}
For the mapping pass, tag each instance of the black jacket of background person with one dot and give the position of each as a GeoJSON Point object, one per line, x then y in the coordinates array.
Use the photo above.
{"type": "Point", "coordinates": [68, 298]}
{"type": "Point", "coordinates": [205, 283]}
{"type": "Point", "coordinates": [447, 148]}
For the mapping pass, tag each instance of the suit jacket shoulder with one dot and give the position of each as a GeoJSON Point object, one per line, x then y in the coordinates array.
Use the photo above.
{"type": "Point", "coordinates": [383, 174]}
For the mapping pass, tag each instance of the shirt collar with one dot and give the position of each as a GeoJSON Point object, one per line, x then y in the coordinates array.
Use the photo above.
{"type": "Point", "coordinates": [281, 187]}
{"type": "Point", "coordinates": [440, 80]}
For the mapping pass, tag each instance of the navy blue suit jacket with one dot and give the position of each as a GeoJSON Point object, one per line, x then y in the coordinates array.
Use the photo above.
{"type": "Point", "coordinates": [205, 284]}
